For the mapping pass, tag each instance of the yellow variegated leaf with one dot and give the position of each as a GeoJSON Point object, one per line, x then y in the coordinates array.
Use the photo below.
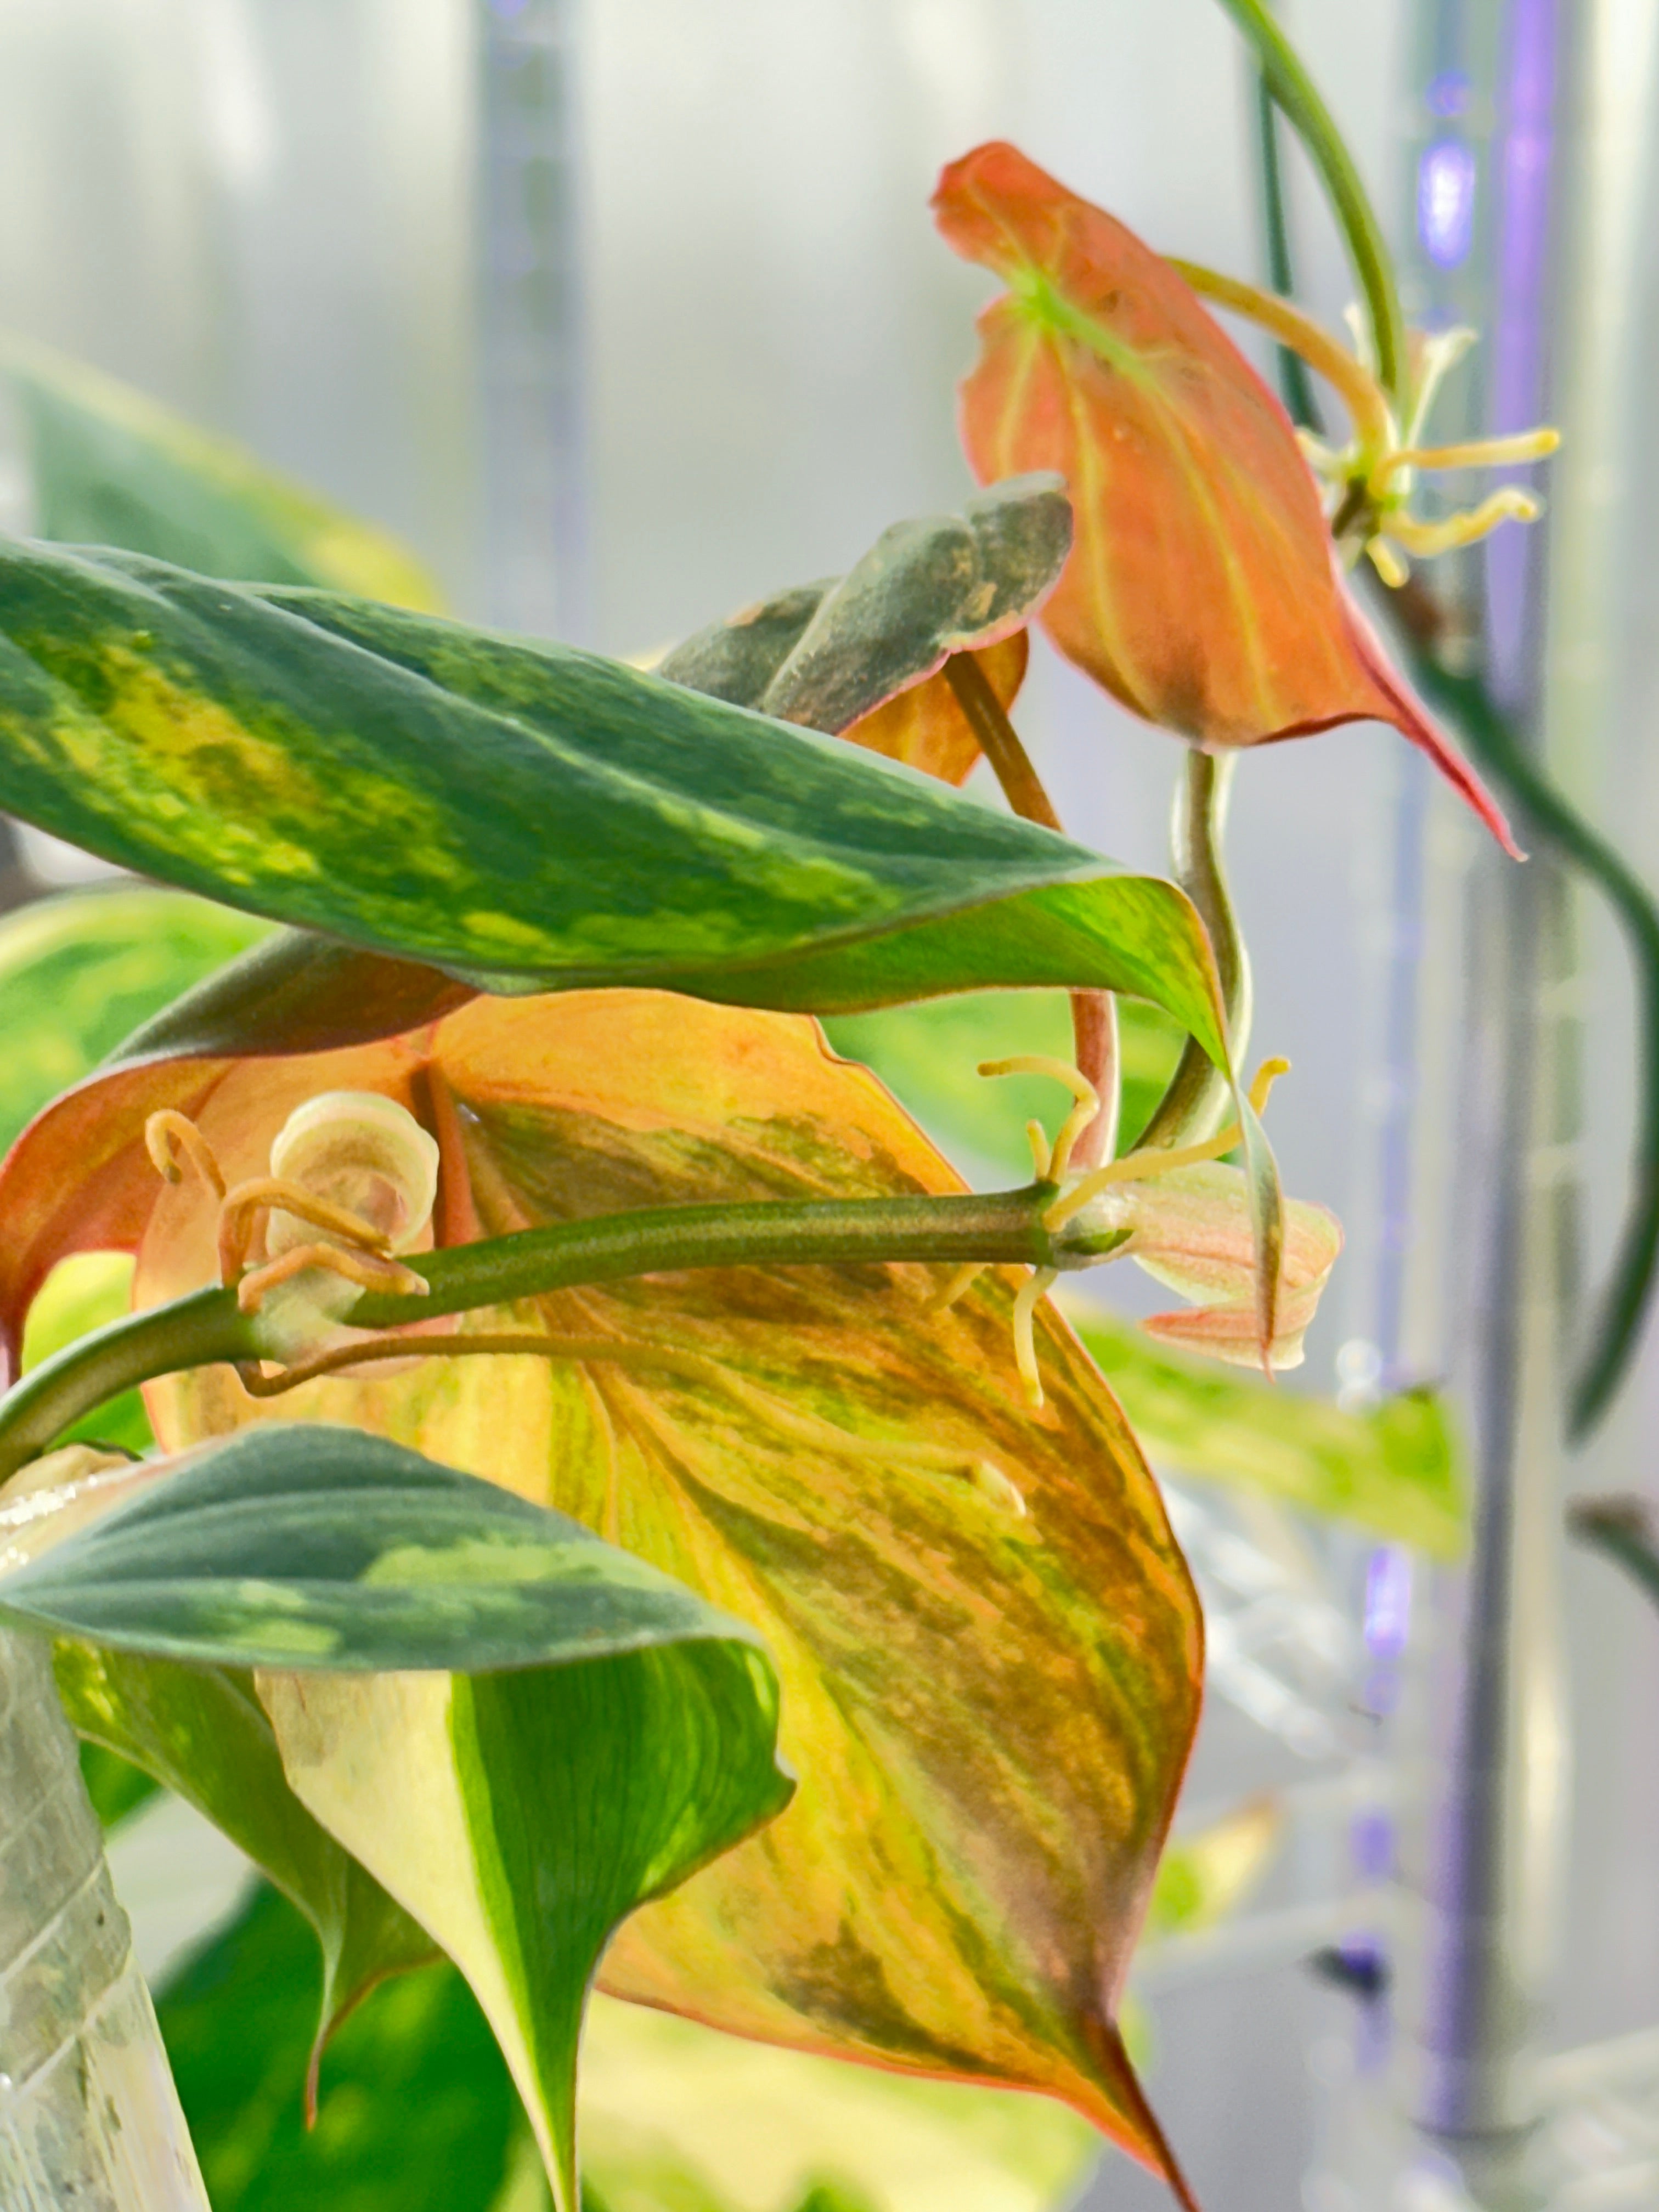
{"type": "Point", "coordinates": [989, 1708]}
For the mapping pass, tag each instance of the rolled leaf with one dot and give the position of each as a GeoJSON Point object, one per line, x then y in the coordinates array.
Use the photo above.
{"type": "Point", "coordinates": [525, 816]}
{"type": "Point", "coordinates": [202, 1732]}
{"type": "Point", "coordinates": [1202, 591]}
{"type": "Point", "coordinates": [839, 656]}
{"type": "Point", "coordinates": [521, 1733]}
{"type": "Point", "coordinates": [997, 1705]}
{"type": "Point", "coordinates": [110, 466]}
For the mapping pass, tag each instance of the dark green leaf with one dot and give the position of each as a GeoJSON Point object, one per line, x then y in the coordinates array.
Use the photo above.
{"type": "Point", "coordinates": [418, 2112]}
{"type": "Point", "coordinates": [527, 816]}
{"type": "Point", "coordinates": [520, 1815]}
{"type": "Point", "coordinates": [302, 1547]}
{"type": "Point", "coordinates": [824, 655]}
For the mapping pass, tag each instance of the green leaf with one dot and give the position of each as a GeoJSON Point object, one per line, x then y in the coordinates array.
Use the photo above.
{"type": "Point", "coordinates": [824, 655]}
{"type": "Point", "coordinates": [928, 1056]}
{"type": "Point", "coordinates": [1396, 1469]}
{"type": "Point", "coordinates": [114, 1785]}
{"type": "Point", "coordinates": [520, 1815]}
{"type": "Point", "coordinates": [77, 973]}
{"type": "Point", "coordinates": [417, 2111]}
{"type": "Point", "coordinates": [526, 815]}
{"type": "Point", "coordinates": [290, 1547]}
{"type": "Point", "coordinates": [112, 467]}
{"type": "Point", "coordinates": [203, 1733]}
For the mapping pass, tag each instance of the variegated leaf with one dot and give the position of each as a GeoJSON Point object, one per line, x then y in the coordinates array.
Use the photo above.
{"type": "Point", "coordinates": [989, 1710]}
{"type": "Point", "coordinates": [110, 466]}
{"type": "Point", "coordinates": [525, 816]}
{"type": "Point", "coordinates": [519, 1731]}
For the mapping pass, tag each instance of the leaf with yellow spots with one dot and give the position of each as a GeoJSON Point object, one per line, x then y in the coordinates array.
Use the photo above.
{"type": "Point", "coordinates": [109, 466]}
{"type": "Point", "coordinates": [527, 817]}
{"type": "Point", "coordinates": [988, 1644]}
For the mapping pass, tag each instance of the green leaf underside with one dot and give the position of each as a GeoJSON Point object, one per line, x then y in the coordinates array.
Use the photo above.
{"type": "Point", "coordinates": [1396, 1469]}
{"type": "Point", "coordinates": [203, 1733]}
{"type": "Point", "coordinates": [112, 467]}
{"type": "Point", "coordinates": [526, 815]}
{"type": "Point", "coordinates": [417, 2111]}
{"type": "Point", "coordinates": [78, 973]}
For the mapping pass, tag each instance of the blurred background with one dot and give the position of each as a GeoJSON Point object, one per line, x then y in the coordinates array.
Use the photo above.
{"type": "Point", "coordinates": [624, 312]}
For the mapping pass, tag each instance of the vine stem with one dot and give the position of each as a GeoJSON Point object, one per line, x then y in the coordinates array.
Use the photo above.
{"type": "Point", "coordinates": [1497, 746]}
{"type": "Point", "coordinates": [1198, 1095]}
{"type": "Point", "coordinates": [207, 1327]}
{"type": "Point", "coordinates": [1094, 1013]}
{"type": "Point", "coordinates": [1295, 93]}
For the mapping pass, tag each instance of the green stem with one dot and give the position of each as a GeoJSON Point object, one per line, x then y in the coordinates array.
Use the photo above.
{"type": "Point", "coordinates": [1294, 91]}
{"type": "Point", "coordinates": [1497, 746]}
{"type": "Point", "coordinates": [191, 1332]}
{"type": "Point", "coordinates": [1094, 1013]}
{"type": "Point", "coordinates": [206, 1328]}
{"type": "Point", "coordinates": [1198, 1094]}
{"type": "Point", "coordinates": [1415, 618]}
{"type": "Point", "coordinates": [1295, 385]}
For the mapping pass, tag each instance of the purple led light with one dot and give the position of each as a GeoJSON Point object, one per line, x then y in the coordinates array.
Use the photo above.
{"type": "Point", "coordinates": [1445, 202]}
{"type": "Point", "coordinates": [1387, 1602]}
{"type": "Point", "coordinates": [1449, 94]}
{"type": "Point", "coordinates": [1372, 1837]}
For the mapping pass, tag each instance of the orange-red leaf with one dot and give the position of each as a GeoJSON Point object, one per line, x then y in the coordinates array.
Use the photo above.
{"type": "Point", "coordinates": [989, 1711]}
{"type": "Point", "coordinates": [1201, 589]}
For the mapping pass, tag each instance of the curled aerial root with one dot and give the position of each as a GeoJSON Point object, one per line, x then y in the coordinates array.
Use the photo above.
{"type": "Point", "coordinates": [958, 1283]}
{"type": "Point", "coordinates": [1158, 1159]}
{"type": "Point", "coordinates": [1051, 1165]}
{"type": "Point", "coordinates": [1025, 1306]}
{"type": "Point", "coordinates": [170, 1139]}
{"type": "Point", "coordinates": [368, 1271]}
{"type": "Point", "coordinates": [240, 1217]}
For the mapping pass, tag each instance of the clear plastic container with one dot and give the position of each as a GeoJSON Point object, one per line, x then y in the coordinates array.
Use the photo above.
{"type": "Point", "coordinates": [89, 2118]}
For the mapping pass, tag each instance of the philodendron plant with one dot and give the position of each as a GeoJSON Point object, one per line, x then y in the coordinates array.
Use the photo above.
{"type": "Point", "coordinates": [610, 1506]}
